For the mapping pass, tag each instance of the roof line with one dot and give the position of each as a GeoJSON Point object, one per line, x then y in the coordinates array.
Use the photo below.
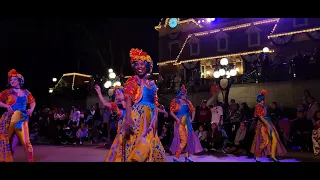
{"type": "Point", "coordinates": [76, 74]}
{"type": "Point", "coordinates": [294, 32]}
{"type": "Point", "coordinates": [180, 22]}
{"type": "Point", "coordinates": [218, 30]}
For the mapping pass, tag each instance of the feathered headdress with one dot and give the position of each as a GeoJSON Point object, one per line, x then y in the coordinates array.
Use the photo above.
{"type": "Point", "coordinates": [182, 91]}
{"type": "Point", "coordinates": [137, 54]}
{"type": "Point", "coordinates": [262, 95]}
{"type": "Point", "coordinates": [14, 73]}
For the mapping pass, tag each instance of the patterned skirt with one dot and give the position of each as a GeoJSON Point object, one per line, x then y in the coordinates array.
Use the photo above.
{"type": "Point", "coordinates": [5, 147]}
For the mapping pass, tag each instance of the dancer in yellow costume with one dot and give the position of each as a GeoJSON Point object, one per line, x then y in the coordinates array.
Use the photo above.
{"type": "Point", "coordinates": [184, 140]}
{"type": "Point", "coordinates": [266, 140]}
{"type": "Point", "coordinates": [15, 119]}
{"type": "Point", "coordinates": [143, 144]}
{"type": "Point", "coordinates": [116, 152]}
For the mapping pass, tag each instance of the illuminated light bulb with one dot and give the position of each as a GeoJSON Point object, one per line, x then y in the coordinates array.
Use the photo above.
{"type": "Point", "coordinates": [112, 75]}
{"type": "Point", "coordinates": [233, 72]}
{"type": "Point", "coordinates": [117, 83]}
{"type": "Point", "coordinates": [222, 72]}
{"type": "Point", "coordinates": [216, 74]}
{"type": "Point", "coordinates": [213, 19]}
{"type": "Point", "coordinates": [208, 19]}
{"type": "Point", "coordinates": [224, 62]}
{"type": "Point", "coordinates": [50, 90]}
{"type": "Point", "coordinates": [199, 21]}
{"type": "Point", "coordinates": [202, 20]}
{"type": "Point", "coordinates": [237, 69]}
{"type": "Point", "coordinates": [110, 70]}
{"type": "Point", "coordinates": [228, 76]}
{"type": "Point", "coordinates": [208, 72]}
{"type": "Point", "coordinates": [107, 84]}
{"type": "Point", "coordinates": [54, 79]}
{"type": "Point", "coordinates": [266, 50]}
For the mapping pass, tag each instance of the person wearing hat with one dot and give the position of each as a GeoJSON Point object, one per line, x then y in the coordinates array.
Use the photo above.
{"type": "Point", "coordinates": [15, 119]}
{"type": "Point", "coordinates": [266, 140]}
{"type": "Point", "coordinates": [185, 140]}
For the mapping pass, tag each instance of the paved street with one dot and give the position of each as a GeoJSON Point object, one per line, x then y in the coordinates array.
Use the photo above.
{"type": "Point", "coordinates": [97, 154]}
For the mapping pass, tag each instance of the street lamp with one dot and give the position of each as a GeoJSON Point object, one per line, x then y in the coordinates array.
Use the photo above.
{"type": "Point", "coordinates": [224, 72]}
{"type": "Point", "coordinates": [54, 79]}
{"type": "Point", "coordinates": [112, 80]}
{"type": "Point", "coordinates": [50, 90]}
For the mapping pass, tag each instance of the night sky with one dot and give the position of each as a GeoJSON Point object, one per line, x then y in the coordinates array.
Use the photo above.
{"type": "Point", "coordinates": [43, 48]}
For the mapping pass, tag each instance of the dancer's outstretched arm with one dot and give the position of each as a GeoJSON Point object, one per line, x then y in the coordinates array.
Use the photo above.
{"type": "Point", "coordinates": [104, 102]}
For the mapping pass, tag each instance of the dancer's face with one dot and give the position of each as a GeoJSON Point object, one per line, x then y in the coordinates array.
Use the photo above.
{"type": "Point", "coordinates": [14, 82]}
{"type": "Point", "coordinates": [140, 68]}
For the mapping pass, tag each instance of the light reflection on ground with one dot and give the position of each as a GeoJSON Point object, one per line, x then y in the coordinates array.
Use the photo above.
{"type": "Point", "coordinates": [95, 154]}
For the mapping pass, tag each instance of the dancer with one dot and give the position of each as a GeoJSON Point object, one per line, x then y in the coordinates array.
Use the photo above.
{"type": "Point", "coordinates": [141, 98]}
{"type": "Point", "coordinates": [15, 120]}
{"type": "Point", "coordinates": [266, 140]}
{"type": "Point", "coordinates": [184, 137]}
{"type": "Point", "coordinates": [115, 153]}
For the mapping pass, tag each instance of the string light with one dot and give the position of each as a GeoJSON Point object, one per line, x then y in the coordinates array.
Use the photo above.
{"type": "Point", "coordinates": [294, 32]}
{"type": "Point", "coordinates": [223, 56]}
{"type": "Point", "coordinates": [179, 22]}
{"type": "Point", "coordinates": [275, 26]}
{"type": "Point", "coordinates": [77, 74]}
{"type": "Point", "coordinates": [216, 31]}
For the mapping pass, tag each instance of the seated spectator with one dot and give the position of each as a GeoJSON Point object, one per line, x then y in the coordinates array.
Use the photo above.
{"type": "Point", "coordinates": [164, 136]}
{"type": "Point", "coordinates": [216, 114]}
{"type": "Point", "coordinates": [65, 133]}
{"type": "Point", "coordinates": [82, 134]}
{"type": "Point", "coordinates": [316, 138]}
{"type": "Point", "coordinates": [203, 136]}
{"type": "Point", "coordinates": [239, 143]}
{"type": "Point", "coordinates": [215, 138]}
{"type": "Point", "coordinates": [316, 117]}
{"type": "Point", "coordinates": [301, 132]}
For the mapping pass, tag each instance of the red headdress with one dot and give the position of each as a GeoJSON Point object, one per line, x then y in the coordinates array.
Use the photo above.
{"type": "Point", "coordinates": [137, 54]}
{"type": "Point", "coordinates": [264, 92]}
{"type": "Point", "coordinates": [14, 73]}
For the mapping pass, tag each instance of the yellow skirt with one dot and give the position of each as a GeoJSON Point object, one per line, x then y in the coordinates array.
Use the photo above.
{"type": "Point", "coordinates": [149, 147]}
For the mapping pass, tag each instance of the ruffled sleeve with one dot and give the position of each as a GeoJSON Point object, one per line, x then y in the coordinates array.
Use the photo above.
{"type": "Point", "coordinates": [132, 89]}
{"type": "Point", "coordinates": [174, 107]}
{"type": "Point", "coordinates": [258, 111]}
{"type": "Point", "coordinates": [30, 97]}
{"type": "Point", "coordinates": [191, 108]}
{"type": "Point", "coordinates": [4, 95]}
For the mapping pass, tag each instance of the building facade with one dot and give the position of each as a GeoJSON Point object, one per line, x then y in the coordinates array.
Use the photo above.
{"type": "Point", "coordinates": [194, 46]}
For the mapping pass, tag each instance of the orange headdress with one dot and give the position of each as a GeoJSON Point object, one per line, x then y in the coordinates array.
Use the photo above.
{"type": "Point", "coordinates": [262, 95]}
{"type": "Point", "coordinates": [14, 73]}
{"type": "Point", "coordinates": [137, 54]}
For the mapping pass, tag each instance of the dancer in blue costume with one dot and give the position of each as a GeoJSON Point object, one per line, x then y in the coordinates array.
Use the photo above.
{"type": "Point", "coordinates": [184, 139]}
{"type": "Point", "coordinates": [15, 120]}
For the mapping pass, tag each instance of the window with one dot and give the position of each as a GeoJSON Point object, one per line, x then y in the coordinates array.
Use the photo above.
{"type": "Point", "coordinates": [298, 22]}
{"type": "Point", "coordinates": [223, 44]}
{"type": "Point", "coordinates": [254, 39]}
{"type": "Point", "coordinates": [174, 50]}
{"type": "Point", "coordinates": [194, 46]}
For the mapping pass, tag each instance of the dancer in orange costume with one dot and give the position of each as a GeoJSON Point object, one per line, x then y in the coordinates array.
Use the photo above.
{"type": "Point", "coordinates": [143, 144]}
{"type": "Point", "coordinates": [15, 120]}
{"type": "Point", "coordinates": [266, 140]}
{"type": "Point", "coordinates": [115, 153]}
{"type": "Point", "coordinates": [184, 137]}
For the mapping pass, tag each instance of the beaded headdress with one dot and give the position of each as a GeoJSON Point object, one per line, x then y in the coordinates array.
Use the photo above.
{"type": "Point", "coordinates": [262, 95]}
{"type": "Point", "coordinates": [182, 91]}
